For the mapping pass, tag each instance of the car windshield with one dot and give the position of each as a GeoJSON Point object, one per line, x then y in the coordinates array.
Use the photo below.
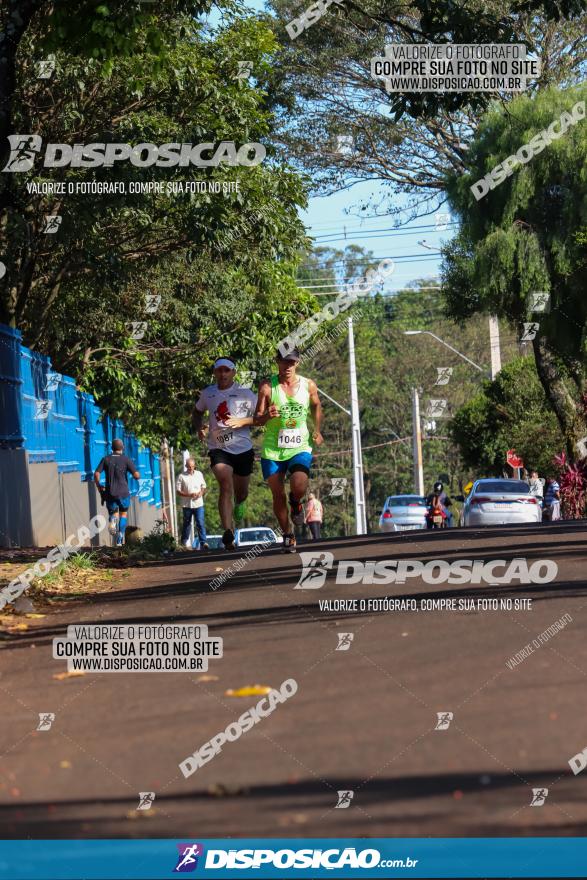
{"type": "Point", "coordinates": [503, 487]}
{"type": "Point", "coordinates": [406, 501]}
{"type": "Point", "coordinates": [255, 535]}
{"type": "Point", "coordinates": [214, 541]}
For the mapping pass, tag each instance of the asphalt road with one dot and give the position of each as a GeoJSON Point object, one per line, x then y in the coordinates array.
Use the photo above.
{"type": "Point", "coordinates": [362, 720]}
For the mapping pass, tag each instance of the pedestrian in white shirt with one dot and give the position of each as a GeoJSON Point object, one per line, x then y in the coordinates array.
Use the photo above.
{"type": "Point", "coordinates": [191, 486]}
{"type": "Point", "coordinates": [536, 486]}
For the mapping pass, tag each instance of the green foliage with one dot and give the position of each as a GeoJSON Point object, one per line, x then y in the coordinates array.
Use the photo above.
{"type": "Point", "coordinates": [511, 412]}
{"type": "Point", "coordinates": [223, 264]}
{"type": "Point", "coordinates": [157, 543]}
{"type": "Point", "coordinates": [526, 235]}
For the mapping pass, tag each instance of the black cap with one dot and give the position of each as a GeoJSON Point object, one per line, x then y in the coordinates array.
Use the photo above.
{"type": "Point", "coordinates": [285, 353]}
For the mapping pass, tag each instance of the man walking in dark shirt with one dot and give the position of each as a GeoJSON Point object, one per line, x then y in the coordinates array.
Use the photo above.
{"type": "Point", "coordinates": [116, 494]}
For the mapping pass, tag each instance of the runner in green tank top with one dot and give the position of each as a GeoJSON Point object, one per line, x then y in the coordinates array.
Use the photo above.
{"type": "Point", "coordinates": [284, 404]}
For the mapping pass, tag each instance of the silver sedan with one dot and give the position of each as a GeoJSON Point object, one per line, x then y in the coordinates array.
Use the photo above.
{"type": "Point", "coordinates": [402, 512]}
{"type": "Point", "coordinates": [495, 502]}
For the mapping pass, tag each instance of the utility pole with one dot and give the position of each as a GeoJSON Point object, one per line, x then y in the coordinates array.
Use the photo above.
{"type": "Point", "coordinates": [359, 486]}
{"type": "Point", "coordinates": [167, 487]}
{"type": "Point", "coordinates": [494, 346]}
{"type": "Point", "coordinates": [417, 444]}
{"type": "Point", "coordinates": [174, 502]}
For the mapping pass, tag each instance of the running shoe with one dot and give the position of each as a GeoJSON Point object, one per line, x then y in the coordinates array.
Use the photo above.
{"type": "Point", "coordinates": [297, 511]}
{"type": "Point", "coordinates": [205, 547]}
{"type": "Point", "coordinates": [228, 539]}
{"type": "Point", "coordinates": [120, 540]}
{"type": "Point", "coordinates": [289, 543]}
{"type": "Point", "coordinates": [240, 509]}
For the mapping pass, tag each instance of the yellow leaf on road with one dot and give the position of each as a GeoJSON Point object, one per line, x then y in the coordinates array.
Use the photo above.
{"type": "Point", "coordinates": [73, 674]}
{"type": "Point", "coordinates": [249, 690]}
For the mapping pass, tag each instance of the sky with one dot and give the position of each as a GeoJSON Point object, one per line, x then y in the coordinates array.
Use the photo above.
{"type": "Point", "coordinates": [331, 221]}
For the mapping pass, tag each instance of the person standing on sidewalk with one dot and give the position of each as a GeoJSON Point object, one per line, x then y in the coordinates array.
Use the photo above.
{"type": "Point", "coordinates": [314, 515]}
{"type": "Point", "coordinates": [191, 486]}
{"type": "Point", "coordinates": [536, 486]}
{"type": "Point", "coordinates": [552, 501]}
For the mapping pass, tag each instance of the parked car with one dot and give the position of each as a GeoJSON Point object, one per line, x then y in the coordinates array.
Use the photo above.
{"type": "Point", "coordinates": [402, 512]}
{"type": "Point", "coordinates": [495, 502]}
{"type": "Point", "coordinates": [256, 535]}
{"type": "Point", "coordinates": [214, 542]}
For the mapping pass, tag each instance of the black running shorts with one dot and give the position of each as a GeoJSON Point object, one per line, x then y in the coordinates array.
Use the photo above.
{"type": "Point", "coordinates": [240, 462]}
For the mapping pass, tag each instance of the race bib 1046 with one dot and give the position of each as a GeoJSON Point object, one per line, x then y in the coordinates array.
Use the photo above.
{"type": "Point", "coordinates": [289, 438]}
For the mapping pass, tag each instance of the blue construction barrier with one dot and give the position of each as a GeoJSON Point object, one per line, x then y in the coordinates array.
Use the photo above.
{"type": "Point", "coordinates": [45, 413]}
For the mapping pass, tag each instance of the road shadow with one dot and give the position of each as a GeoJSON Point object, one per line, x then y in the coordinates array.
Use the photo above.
{"type": "Point", "coordinates": [483, 790]}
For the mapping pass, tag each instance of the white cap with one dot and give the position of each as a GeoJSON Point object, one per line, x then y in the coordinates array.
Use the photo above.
{"type": "Point", "coordinates": [224, 362]}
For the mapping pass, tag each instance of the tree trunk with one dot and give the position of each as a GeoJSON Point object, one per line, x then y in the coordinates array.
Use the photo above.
{"type": "Point", "coordinates": [570, 418]}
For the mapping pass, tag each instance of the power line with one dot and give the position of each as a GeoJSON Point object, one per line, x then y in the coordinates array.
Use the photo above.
{"type": "Point", "coordinates": [365, 259]}
{"type": "Point", "coordinates": [396, 230]}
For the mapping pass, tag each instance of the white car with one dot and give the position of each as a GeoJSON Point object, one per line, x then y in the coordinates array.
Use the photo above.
{"type": "Point", "coordinates": [214, 542]}
{"type": "Point", "coordinates": [496, 502]}
{"type": "Point", "coordinates": [402, 512]}
{"type": "Point", "coordinates": [256, 535]}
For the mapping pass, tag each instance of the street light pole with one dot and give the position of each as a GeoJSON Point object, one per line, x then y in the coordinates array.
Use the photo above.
{"type": "Point", "coordinates": [358, 483]}
{"type": "Point", "coordinates": [438, 339]}
{"type": "Point", "coordinates": [359, 486]}
{"type": "Point", "coordinates": [494, 346]}
{"type": "Point", "coordinates": [417, 444]}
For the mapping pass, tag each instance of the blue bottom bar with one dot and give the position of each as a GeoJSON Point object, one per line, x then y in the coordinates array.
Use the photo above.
{"type": "Point", "coordinates": [276, 857]}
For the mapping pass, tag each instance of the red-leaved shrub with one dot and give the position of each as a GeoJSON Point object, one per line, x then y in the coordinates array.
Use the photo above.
{"type": "Point", "coordinates": [573, 486]}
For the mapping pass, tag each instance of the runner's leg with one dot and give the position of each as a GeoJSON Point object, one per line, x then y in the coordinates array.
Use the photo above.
{"type": "Point", "coordinates": [241, 488]}
{"type": "Point", "coordinates": [298, 484]}
{"type": "Point", "coordinates": [276, 483]}
{"type": "Point", "coordinates": [121, 527]}
{"type": "Point", "coordinates": [224, 477]}
{"type": "Point", "coordinates": [241, 491]}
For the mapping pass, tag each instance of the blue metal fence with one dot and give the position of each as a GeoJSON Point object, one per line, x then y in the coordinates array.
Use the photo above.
{"type": "Point", "coordinates": [45, 413]}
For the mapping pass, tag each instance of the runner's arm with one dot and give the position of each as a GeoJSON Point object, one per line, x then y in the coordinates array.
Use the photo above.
{"type": "Point", "coordinates": [97, 473]}
{"type": "Point", "coordinates": [132, 469]}
{"type": "Point", "coordinates": [265, 409]}
{"type": "Point", "coordinates": [316, 410]}
{"type": "Point", "coordinates": [240, 423]}
{"type": "Point", "coordinates": [198, 419]}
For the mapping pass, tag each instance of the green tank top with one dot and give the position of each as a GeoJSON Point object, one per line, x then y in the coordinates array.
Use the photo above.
{"type": "Point", "coordinates": [288, 434]}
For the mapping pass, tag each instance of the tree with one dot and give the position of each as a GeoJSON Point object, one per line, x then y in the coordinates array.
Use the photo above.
{"type": "Point", "coordinates": [324, 89]}
{"type": "Point", "coordinates": [100, 31]}
{"type": "Point", "coordinates": [193, 97]}
{"type": "Point", "coordinates": [511, 412]}
{"type": "Point", "coordinates": [221, 263]}
{"type": "Point", "coordinates": [524, 237]}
